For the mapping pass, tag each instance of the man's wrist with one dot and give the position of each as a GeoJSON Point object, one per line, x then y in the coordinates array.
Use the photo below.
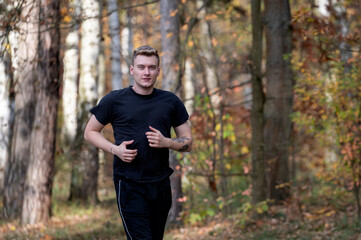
{"type": "Point", "coordinates": [169, 142]}
{"type": "Point", "coordinates": [112, 149]}
{"type": "Point", "coordinates": [180, 144]}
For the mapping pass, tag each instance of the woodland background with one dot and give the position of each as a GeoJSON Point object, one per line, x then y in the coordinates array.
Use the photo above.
{"type": "Point", "coordinates": [272, 87]}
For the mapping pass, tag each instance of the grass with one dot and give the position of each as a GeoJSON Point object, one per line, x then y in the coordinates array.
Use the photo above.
{"type": "Point", "coordinates": [72, 220]}
{"type": "Point", "coordinates": [75, 221]}
{"type": "Point", "coordinates": [287, 221]}
{"type": "Point", "coordinates": [310, 214]}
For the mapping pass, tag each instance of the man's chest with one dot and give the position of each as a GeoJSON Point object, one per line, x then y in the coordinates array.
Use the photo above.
{"type": "Point", "coordinates": [151, 112]}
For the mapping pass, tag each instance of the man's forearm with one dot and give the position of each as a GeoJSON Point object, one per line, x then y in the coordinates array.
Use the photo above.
{"type": "Point", "coordinates": [181, 144]}
{"type": "Point", "coordinates": [98, 140]}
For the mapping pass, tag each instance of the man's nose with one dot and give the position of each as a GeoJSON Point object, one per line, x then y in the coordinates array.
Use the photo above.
{"type": "Point", "coordinates": [146, 70]}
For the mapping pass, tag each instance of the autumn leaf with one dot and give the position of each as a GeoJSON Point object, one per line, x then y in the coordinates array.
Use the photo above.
{"type": "Point", "coordinates": [244, 150]}
{"type": "Point", "coordinates": [173, 13]}
{"type": "Point", "coordinates": [67, 19]}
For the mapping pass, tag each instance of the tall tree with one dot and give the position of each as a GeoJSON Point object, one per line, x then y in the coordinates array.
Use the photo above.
{"type": "Point", "coordinates": [114, 31]}
{"type": "Point", "coordinates": [170, 44]}
{"type": "Point", "coordinates": [258, 99]}
{"type": "Point", "coordinates": [85, 170]}
{"type": "Point", "coordinates": [24, 109]}
{"type": "Point", "coordinates": [170, 81]}
{"type": "Point", "coordinates": [127, 44]}
{"type": "Point", "coordinates": [278, 105]}
{"type": "Point", "coordinates": [70, 83]}
{"type": "Point", "coordinates": [343, 28]}
{"type": "Point", "coordinates": [39, 176]}
{"type": "Point", "coordinates": [212, 81]}
{"type": "Point", "coordinates": [189, 90]}
{"type": "Point", "coordinates": [5, 113]}
{"type": "Point", "coordinates": [101, 60]}
{"type": "Point", "coordinates": [212, 84]}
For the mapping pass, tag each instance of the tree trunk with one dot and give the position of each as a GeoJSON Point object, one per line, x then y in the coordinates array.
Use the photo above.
{"type": "Point", "coordinates": [5, 113]}
{"type": "Point", "coordinates": [24, 111]}
{"type": "Point", "coordinates": [189, 90]}
{"type": "Point", "coordinates": [170, 81]}
{"type": "Point", "coordinates": [85, 171]}
{"type": "Point", "coordinates": [101, 61]}
{"type": "Point", "coordinates": [257, 122]}
{"type": "Point", "coordinates": [71, 143]}
{"type": "Point", "coordinates": [39, 177]}
{"type": "Point", "coordinates": [127, 45]}
{"type": "Point", "coordinates": [70, 85]}
{"type": "Point", "coordinates": [114, 31]}
{"type": "Point", "coordinates": [206, 53]}
{"type": "Point", "coordinates": [220, 142]}
{"type": "Point", "coordinates": [177, 193]}
{"type": "Point", "coordinates": [170, 45]}
{"type": "Point", "coordinates": [343, 28]}
{"type": "Point", "coordinates": [212, 84]}
{"type": "Point", "coordinates": [211, 176]}
{"type": "Point", "coordinates": [278, 105]}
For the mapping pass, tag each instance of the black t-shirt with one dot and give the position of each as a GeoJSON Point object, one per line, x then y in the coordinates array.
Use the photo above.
{"type": "Point", "coordinates": [131, 114]}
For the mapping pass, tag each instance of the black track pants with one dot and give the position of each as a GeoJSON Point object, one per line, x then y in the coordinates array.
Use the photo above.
{"type": "Point", "coordinates": [143, 208]}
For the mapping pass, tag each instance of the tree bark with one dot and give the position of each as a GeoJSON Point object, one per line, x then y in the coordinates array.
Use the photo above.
{"type": "Point", "coordinates": [170, 45]}
{"type": "Point", "coordinates": [343, 28]}
{"type": "Point", "coordinates": [127, 45]}
{"type": "Point", "coordinates": [278, 105]}
{"type": "Point", "coordinates": [85, 170]}
{"type": "Point", "coordinates": [39, 178]}
{"type": "Point", "coordinates": [170, 81]}
{"type": "Point", "coordinates": [258, 99]}
{"type": "Point", "coordinates": [211, 151]}
{"type": "Point", "coordinates": [212, 83]}
{"type": "Point", "coordinates": [114, 31]}
{"type": "Point", "coordinates": [70, 85]}
{"type": "Point", "coordinates": [207, 54]}
{"type": "Point", "coordinates": [6, 112]}
{"type": "Point", "coordinates": [24, 111]}
{"type": "Point", "coordinates": [189, 90]}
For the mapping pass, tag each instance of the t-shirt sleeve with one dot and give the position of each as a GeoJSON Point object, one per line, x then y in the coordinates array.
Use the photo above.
{"type": "Point", "coordinates": [180, 115]}
{"type": "Point", "coordinates": [103, 112]}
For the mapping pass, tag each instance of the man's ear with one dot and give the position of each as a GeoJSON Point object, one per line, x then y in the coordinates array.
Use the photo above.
{"type": "Point", "coordinates": [131, 69]}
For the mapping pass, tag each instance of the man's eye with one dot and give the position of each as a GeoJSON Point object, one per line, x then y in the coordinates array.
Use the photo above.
{"type": "Point", "coordinates": [152, 68]}
{"type": "Point", "coordinates": [141, 67]}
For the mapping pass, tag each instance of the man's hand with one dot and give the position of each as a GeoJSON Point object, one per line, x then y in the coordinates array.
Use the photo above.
{"type": "Point", "coordinates": [183, 142]}
{"type": "Point", "coordinates": [156, 138]}
{"type": "Point", "coordinates": [127, 155]}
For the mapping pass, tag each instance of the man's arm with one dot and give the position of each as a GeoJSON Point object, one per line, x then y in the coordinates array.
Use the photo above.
{"type": "Point", "coordinates": [92, 134]}
{"type": "Point", "coordinates": [182, 143]}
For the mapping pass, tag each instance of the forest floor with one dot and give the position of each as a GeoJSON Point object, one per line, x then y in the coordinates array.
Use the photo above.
{"type": "Point", "coordinates": [317, 213]}
{"type": "Point", "coordinates": [288, 221]}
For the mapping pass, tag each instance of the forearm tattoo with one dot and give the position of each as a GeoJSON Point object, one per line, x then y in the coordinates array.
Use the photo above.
{"type": "Point", "coordinates": [182, 140]}
{"type": "Point", "coordinates": [184, 148]}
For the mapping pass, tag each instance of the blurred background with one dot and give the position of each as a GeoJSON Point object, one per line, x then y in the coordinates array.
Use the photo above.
{"type": "Point", "coordinates": [273, 92]}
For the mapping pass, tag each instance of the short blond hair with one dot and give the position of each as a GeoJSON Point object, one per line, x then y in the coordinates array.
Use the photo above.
{"type": "Point", "coordinates": [146, 51]}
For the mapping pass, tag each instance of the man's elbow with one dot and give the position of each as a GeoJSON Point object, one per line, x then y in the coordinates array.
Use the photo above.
{"type": "Point", "coordinates": [190, 145]}
{"type": "Point", "coordinates": [86, 135]}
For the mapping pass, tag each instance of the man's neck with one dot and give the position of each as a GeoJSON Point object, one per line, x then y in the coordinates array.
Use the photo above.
{"type": "Point", "coordinates": [143, 91]}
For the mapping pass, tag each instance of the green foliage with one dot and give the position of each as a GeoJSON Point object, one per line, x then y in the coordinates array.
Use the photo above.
{"type": "Point", "coordinates": [199, 216]}
{"type": "Point", "coordinates": [220, 149]}
{"type": "Point", "coordinates": [207, 131]}
{"type": "Point", "coordinates": [329, 109]}
{"type": "Point", "coordinates": [331, 104]}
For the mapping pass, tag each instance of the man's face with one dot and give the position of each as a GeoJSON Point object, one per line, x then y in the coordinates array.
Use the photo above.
{"type": "Point", "coordinates": [145, 71]}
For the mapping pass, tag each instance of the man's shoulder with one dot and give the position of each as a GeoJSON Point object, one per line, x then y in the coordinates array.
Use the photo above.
{"type": "Point", "coordinates": [165, 93]}
{"type": "Point", "coordinates": [117, 92]}
{"type": "Point", "coordinates": [114, 96]}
